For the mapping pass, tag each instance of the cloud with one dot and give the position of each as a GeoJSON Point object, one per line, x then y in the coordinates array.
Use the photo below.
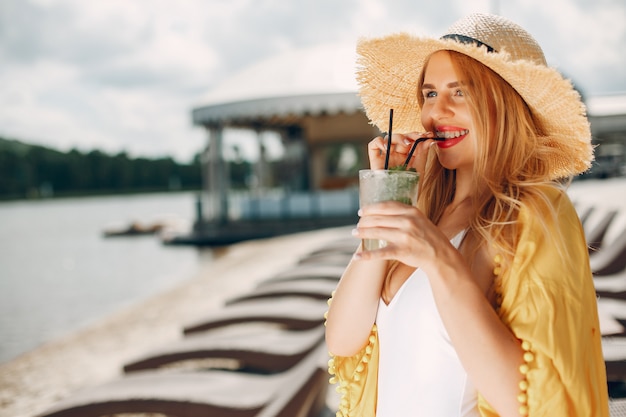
{"type": "Point", "coordinates": [107, 75]}
{"type": "Point", "coordinates": [120, 75]}
{"type": "Point", "coordinates": [586, 40]}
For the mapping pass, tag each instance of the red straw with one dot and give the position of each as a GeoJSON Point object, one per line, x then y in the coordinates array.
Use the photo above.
{"type": "Point", "coordinates": [389, 139]}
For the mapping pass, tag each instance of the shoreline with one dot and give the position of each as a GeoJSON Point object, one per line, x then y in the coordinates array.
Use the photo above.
{"type": "Point", "coordinates": [35, 380]}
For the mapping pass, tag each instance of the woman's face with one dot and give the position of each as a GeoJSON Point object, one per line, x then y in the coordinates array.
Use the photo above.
{"type": "Point", "coordinates": [446, 112]}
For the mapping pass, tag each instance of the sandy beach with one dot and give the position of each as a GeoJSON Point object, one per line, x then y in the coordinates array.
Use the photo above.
{"type": "Point", "coordinates": [34, 381]}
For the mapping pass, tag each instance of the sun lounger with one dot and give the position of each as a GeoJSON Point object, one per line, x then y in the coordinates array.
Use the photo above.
{"type": "Point", "coordinates": [300, 391]}
{"type": "Point", "coordinates": [335, 253]}
{"type": "Point", "coordinates": [584, 213]}
{"type": "Point", "coordinates": [612, 314]}
{"type": "Point", "coordinates": [610, 310]}
{"type": "Point", "coordinates": [614, 350]}
{"type": "Point", "coordinates": [330, 272]}
{"type": "Point", "coordinates": [613, 282]}
{"type": "Point", "coordinates": [343, 246]}
{"type": "Point", "coordinates": [611, 259]}
{"type": "Point", "coordinates": [294, 313]}
{"type": "Point", "coordinates": [595, 234]}
{"type": "Point", "coordinates": [619, 295]}
{"type": "Point", "coordinates": [617, 407]}
{"type": "Point", "coordinates": [319, 289]}
{"type": "Point", "coordinates": [611, 286]}
{"type": "Point", "coordinates": [613, 325]}
{"type": "Point", "coordinates": [339, 259]}
{"type": "Point", "coordinates": [260, 349]}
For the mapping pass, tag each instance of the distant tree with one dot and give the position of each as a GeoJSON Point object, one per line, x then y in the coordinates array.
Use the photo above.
{"type": "Point", "coordinates": [34, 171]}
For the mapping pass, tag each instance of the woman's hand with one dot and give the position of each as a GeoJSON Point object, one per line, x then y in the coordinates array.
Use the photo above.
{"type": "Point", "coordinates": [411, 237]}
{"type": "Point", "coordinates": [400, 147]}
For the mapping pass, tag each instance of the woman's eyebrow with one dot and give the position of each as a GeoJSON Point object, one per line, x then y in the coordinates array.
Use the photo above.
{"type": "Point", "coordinates": [453, 84]}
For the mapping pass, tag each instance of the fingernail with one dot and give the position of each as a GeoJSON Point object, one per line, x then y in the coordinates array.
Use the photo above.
{"type": "Point", "coordinates": [359, 213]}
{"type": "Point", "coordinates": [406, 141]}
{"type": "Point", "coordinates": [355, 232]}
{"type": "Point", "coordinates": [357, 256]}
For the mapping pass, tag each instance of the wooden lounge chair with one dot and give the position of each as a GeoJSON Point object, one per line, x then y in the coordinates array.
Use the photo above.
{"type": "Point", "coordinates": [339, 259]}
{"type": "Point", "coordinates": [611, 311]}
{"type": "Point", "coordinates": [584, 212]}
{"type": "Point", "coordinates": [260, 349]}
{"type": "Point", "coordinates": [617, 407]}
{"type": "Point", "coordinates": [613, 282]}
{"type": "Point", "coordinates": [619, 295]}
{"type": "Point", "coordinates": [611, 286]}
{"type": "Point", "coordinates": [319, 289]}
{"type": "Point", "coordinates": [330, 272]}
{"type": "Point", "coordinates": [596, 232]}
{"type": "Point", "coordinates": [298, 392]}
{"type": "Point", "coordinates": [343, 246]}
{"type": "Point", "coordinates": [294, 313]}
{"type": "Point", "coordinates": [614, 350]}
{"type": "Point", "coordinates": [611, 259]}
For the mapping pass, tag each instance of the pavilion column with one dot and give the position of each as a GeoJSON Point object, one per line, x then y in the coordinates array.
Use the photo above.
{"type": "Point", "coordinates": [261, 167]}
{"type": "Point", "coordinates": [318, 166]}
{"type": "Point", "coordinates": [217, 178]}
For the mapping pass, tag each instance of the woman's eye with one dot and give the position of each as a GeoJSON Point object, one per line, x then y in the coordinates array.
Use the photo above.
{"type": "Point", "coordinates": [430, 94]}
{"type": "Point", "coordinates": [459, 93]}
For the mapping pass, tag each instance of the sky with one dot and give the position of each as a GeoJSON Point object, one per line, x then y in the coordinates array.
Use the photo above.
{"type": "Point", "coordinates": [123, 76]}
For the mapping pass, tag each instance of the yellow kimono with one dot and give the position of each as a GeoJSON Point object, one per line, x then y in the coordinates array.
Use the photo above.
{"type": "Point", "coordinates": [550, 306]}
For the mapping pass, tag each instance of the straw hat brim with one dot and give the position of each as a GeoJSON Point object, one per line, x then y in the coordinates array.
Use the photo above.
{"type": "Point", "coordinates": [388, 70]}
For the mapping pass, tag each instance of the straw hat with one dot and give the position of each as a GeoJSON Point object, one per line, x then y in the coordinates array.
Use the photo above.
{"type": "Point", "coordinates": [388, 70]}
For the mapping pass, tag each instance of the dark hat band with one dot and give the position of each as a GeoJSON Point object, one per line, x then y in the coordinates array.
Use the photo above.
{"type": "Point", "coordinates": [468, 40]}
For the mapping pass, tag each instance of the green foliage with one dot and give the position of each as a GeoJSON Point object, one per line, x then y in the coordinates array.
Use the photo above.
{"type": "Point", "coordinates": [406, 185]}
{"type": "Point", "coordinates": [402, 168]}
{"type": "Point", "coordinates": [30, 171]}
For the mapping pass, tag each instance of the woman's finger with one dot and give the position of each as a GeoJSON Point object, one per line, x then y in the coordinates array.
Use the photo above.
{"type": "Point", "coordinates": [389, 208]}
{"type": "Point", "coordinates": [398, 152]}
{"type": "Point", "coordinates": [422, 143]}
{"type": "Point", "coordinates": [399, 245]}
{"type": "Point", "coordinates": [376, 149]}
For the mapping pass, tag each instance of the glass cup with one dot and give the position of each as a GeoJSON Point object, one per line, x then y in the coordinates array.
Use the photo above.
{"type": "Point", "coordinates": [380, 185]}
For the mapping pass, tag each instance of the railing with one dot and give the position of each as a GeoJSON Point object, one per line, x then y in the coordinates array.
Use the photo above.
{"type": "Point", "coordinates": [279, 204]}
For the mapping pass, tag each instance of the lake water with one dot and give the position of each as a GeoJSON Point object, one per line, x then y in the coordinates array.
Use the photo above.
{"type": "Point", "coordinates": [58, 273]}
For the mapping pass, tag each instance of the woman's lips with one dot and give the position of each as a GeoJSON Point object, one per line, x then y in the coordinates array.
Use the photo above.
{"type": "Point", "coordinates": [451, 137]}
{"type": "Point", "coordinates": [451, 134]}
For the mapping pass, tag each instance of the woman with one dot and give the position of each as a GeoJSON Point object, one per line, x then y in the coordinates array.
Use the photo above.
{"type": "Point", "coordinates": [482, 302]}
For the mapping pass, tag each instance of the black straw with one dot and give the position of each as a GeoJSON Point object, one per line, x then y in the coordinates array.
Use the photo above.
{"type": "Point", "coordinates": [389, 139]}
{"type": "Point", "coordinates": [410, 155]}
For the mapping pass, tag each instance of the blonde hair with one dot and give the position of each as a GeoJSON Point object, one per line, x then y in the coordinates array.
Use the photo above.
{"type": "Point", "coordinates": [511, 166]}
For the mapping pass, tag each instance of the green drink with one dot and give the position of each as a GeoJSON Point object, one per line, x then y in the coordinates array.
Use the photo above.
{"type": "Point", "coordinates": [386, 185]}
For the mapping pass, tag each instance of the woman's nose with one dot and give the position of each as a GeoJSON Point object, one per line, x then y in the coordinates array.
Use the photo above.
{"type": "Point", "coordinates": [441, 108]}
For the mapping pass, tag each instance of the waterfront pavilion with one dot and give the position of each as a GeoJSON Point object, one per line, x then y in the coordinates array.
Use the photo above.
{"type": "Point", "coordinates": [307, 99]}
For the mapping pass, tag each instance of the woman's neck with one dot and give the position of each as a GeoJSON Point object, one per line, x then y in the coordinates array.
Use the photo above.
{"type": "Point", "coordinates": [457, 214]}
{"type": "Point", "coordinates": [463, 188]}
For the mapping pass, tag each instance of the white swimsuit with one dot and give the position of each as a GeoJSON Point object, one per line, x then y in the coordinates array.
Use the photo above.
{"type": "Point", "coordinates": [419, 371]}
